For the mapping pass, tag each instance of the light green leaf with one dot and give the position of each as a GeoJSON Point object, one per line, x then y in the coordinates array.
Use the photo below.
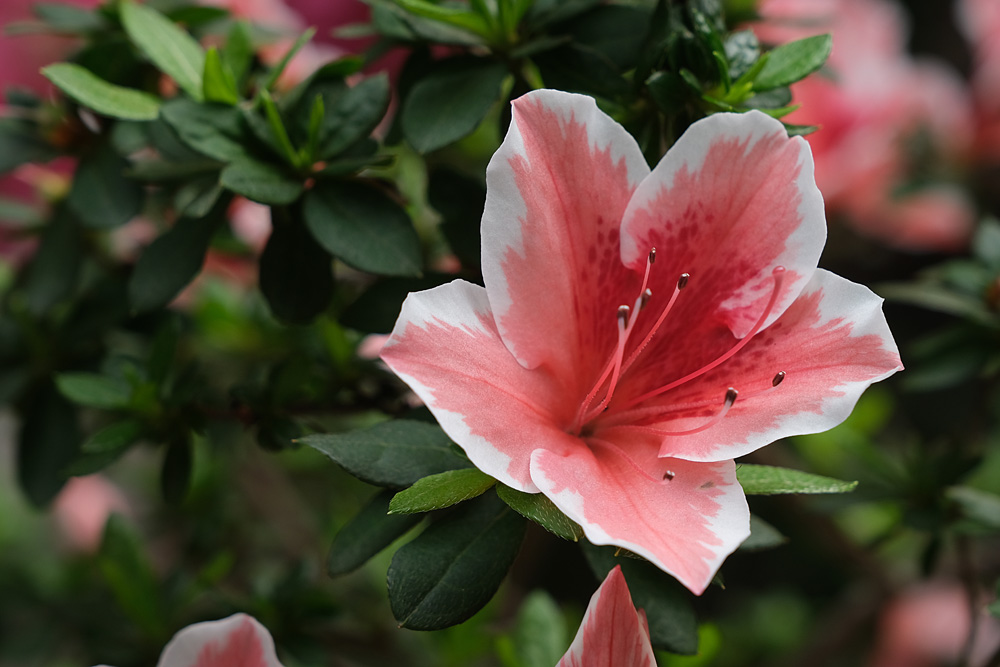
{"type": "Point", "coordinates": [441, 490]}
{"type": "Point", "coordinates": [219, 84]}
{"type": "Point", "coordinates": [275, 74]}
{"type": "Point", "coordinates": [105, 98]}
{"type": "Point", "coordinates": [791, 62]}
{"type": "Point", "coordinates": [980, 507]}
{"type": "Point", "coordinates": [769, 480]}
{"type": "Point", "coordinates": [93, 390]}
{"type": "Point", "coordinates": [170, 48]}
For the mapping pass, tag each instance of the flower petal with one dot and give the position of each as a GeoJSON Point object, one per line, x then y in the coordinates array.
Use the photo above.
{"type": "Point", "coordinates": [613, 633]}
{"type": "Point", "coordinates": [237, 641]}
{"type": "Point", "coordinates": [446, 347]}
{"type": "Point", "coordinates": [556, 191]}
{"type": "Point", "coordinates": [832, 343]}
{"type": "Point", "coordinates": [685, 525]}
{"type": "Point", "coordinates": [732, 199]}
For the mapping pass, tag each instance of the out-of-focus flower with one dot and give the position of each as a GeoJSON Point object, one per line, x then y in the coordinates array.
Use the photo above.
{"type": "Point", "coordinates": [980, 21]}
{"type": "Point", "coordinates": [885, 119]}
{"type": "Point", "coordinates": [236, 641]}
{"type": "Point", "coordinates": [82, 508]}
{"type": "Point", "coordinates": [613, 633]}
{"type": "Point", "coordinates": [585, 372]}
{"type": "Point", "coordinates": [928, 625]}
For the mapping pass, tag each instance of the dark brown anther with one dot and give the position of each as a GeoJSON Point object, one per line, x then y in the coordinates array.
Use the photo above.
{"type": "Point", "coordinates": [652, 255]}
{"type": "Point", "coordinates": [731, 395]}
{"type": "Point", "coordinates": [683, 280]}
{"type": "Point", "coordinates": [669, 475]}
{"type": "Point", "coordinates": [777, 379]}
{"type": "Point", "coordinates": [646, 296]}
{"type": "Point", "coordinates": [623, 312]}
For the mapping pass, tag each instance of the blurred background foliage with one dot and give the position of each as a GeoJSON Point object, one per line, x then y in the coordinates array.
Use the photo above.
{"type": "Point", "coordinates": [198, 253]}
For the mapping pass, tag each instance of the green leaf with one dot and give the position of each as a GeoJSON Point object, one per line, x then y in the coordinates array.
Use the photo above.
{"type": "Point", "coordinates": [21, 142]}
{"type": "Point", "coordinates": [460, 201]}
{"type": "Point", "coordinates": [93, 390]}
{"type": "Point", "coordinates": [197, 198]}
{"type": "Point", "coordinates": [762, 536]}
{"type": "Point", "coordinates": [669, 91]}
{"type": "Point", "coordinates": [799, 130]}
{"type": "Point", "coordinates": [791, 62]}
{"type": "Point", "coordinates": [454, 16]}
{"type": "Point", "coordinates": [742, 51]}
{"type": "Point", "coordinates": [392, 454]}
{"type": "Point", "coordinates": [451, 101]}
{"type": "Point", "coordinates": [130, 576]}
{"type": "Point", "coordinates": [580, 68]}
{"type": "Point", "coordinates": [261, 182]}
{"type": "Point", "coordinates": [53, 273]}
{"type": "Point", "coordinates": [538, 508]}
{"type": "Point", "coordinates": [447, 573]}
{"type": "Point", "coordinates": [377, 309]}
{"type": "Point", "coordinates": [539, 638]}
{"type": "Point", "coordinates": [237, 53]}
{"type": "Point", "coordinates": [219, 84]}
{"type": "Point", "coordinates": [391, 20]}
{"type": "Point", "coordinates": [979, 507]}
{"type": "Point", "coordinates": [768, 480]}
{"type": "Point", "coordinates": [97, 94]}
{"type": "Point", "coordinates": [672, 623]}
{"type": "Point", "coordinates": [169, 263]}
{"type": "Point", "coordinates": [363, 227]}
{"type": "Point", "coordinates": [113, 437]}
{"type": "Point", "coordinates": [175, 475]}
{"type": "Point", "coordinates": [213, 130]}
{"type": "Point", "coordinates": [276, 71]}
{"type": "Point", "coordinates": [442, 490]}
{"type": "Point", "coordinates": [353, 116]}
{"type": "Point", "coordinates": [296, 276]}
{"type": "Point", "coordinates": [372, 530]}
{"type": "Point", "coordinates": [48, 441]}
{"type": "Point", "coordinates": [170, 48]}
{"type": "Point", "coordinates": [68, 18]}
{"type": "Point", "coordinates": [102, 197]}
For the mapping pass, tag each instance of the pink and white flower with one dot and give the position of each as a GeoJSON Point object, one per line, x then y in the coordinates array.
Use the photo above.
{"type": "Point", "coordinates": [620, 387]}
{"type": "Point", "coordinates": [236, 641]}
{"type": "Point", "coordinates": [613, 633]}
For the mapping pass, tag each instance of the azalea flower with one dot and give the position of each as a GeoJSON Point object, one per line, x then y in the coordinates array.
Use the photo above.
{"type": "Point", "coordinates": [613, 633]}
{"type": "Point", "coordinates": [236, 641]}
{"type": "Point", "coordinates": [639, 330]}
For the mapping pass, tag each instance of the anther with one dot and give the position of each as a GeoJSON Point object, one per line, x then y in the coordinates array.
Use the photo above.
{"type": "Point", "coordinates": [669, 475]}
{"type": "Point", "coordinates": [652, 255]}
{"type": "Point", "coordinates": [683, 280]}
{"type": "Point", "coordinates": [778, 379]}
{"type": "Point", "coordinates": [623, 312]}
{"type": "Point", "coordinates": [646, 296]}
{"type": "Point", "coordinates": [731, 395]}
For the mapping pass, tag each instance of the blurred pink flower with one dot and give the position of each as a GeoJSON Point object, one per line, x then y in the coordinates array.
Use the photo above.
{"type": "Point", "coordinates": [613, 633]}
{"type": "Point", "coordinates": [83, 507]}
{"type": "Point", "coordinates": [980, 21]}
{"type": "Point", "coordinates": [236, 641]}
{"type": "Point", "coordinates": [877, 109]}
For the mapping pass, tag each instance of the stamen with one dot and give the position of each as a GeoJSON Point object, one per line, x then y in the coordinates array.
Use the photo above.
{"type": "Point", "coordinates": [731, 395]}
{"type": "Point", "coordinates": [778, 379]}
{"type": "Point", "coordinates": [646, 296]}
{"type": "Point", "coordinates": [610, 446]}
{"type": "Point", "coordinates": [681, 284]}
{"type": "Point", "coordinates": [669, 475]}
{"type": "Point", "coordinates": [779, 276]}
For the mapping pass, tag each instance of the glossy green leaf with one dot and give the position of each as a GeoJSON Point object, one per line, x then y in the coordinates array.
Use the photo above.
{"type": "Point", "coordinates": [742, 51]}
{"type": "Point", "coordinates": [539, 638]}
{"type": "Point", "coordinates": [447, 573]}
{"type": "Point", "coordinates": [450, 102]}
{"type": "Point", "coordinates": [53, 273]}
{"type": "Point", "coordinates": [372, 530]}
{"type": "Point", "coordinates": [97, 94]}
{"type": "Point", "coordinates": [94, 390]}
{"type": "Point", "coordinates": [219, 84]}
{"type": "Point", "coordinates": [113, 437]}
{"type": "Point", "coordinates": [672, 623]}
{"type": "Point", "coordinates": [769, 480]}
{"type": "Point", "coordinates": [102, 196]}
{"type": "Point", "coordinates": [458, 17]}
{"type": "Point", "coordinates": [170, 48]}
{"type": "Point", "coordinates": [392, 454]}
{"type": "Point", "coordinates": [364, 227]}
{"type": "Point", "coordinates": [47, 442]}
{"type": "Point", "coordinates": [296, 276]}
{"type": "Point", "coordinates": [237, 53]}
{"type": "Point", "coordinates": [538, 508]}
{"type": "Point", "coordinates": [353, 116]}
{"type": "Point", "coordinates": [276, 134]}
{"type": "Point", "coordinates": [442, 490]}
{"type": "Point", "coordinates": [791, 62]}
{"type": "Point", "coordinates": [275, 74]}
{"type": "Point", "coordinates": [213, 130]}
{"type": "Point", "coordinates": [261, 182]}
{"type": "Point", "coordinates": [169, 263]}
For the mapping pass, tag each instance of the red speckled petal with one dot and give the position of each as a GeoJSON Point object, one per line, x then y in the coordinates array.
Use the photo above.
{"type": "Point", "coordinates": [832, 343]}
{"type": "Point", "coordinates": [237, 641]}
{"type": "Point", "coordinates": [686, 525]}
{"type": "Point", "coordinates": [446, 347]}
{"type": "Point", "coordinates": [556, 192]}
{"type": "Point", "coordinates": [612, 634]}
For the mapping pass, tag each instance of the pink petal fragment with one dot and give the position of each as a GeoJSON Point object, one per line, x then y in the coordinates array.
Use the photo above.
{"type": "Point", "coordinates": [237, 641]}
{"type": "Point", "coordinates": [446, 347]}
{"type": "Point", "coordinates": [556, 192]}
{"type": "Point", "coordinates": [731, 200]}
{"type": "Point", "coordinates": [686, 525]}
{"type": "Point", "coordinates": [612, 634]}
{"type": "Point", "coordinates": [832, 343]}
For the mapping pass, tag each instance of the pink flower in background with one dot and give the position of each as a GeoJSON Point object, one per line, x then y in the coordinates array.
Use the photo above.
{"type": "Point", "coordinates": [980, 21]}
{"type": "Point", "coordinates": [878, 104]}
{"type": "Point", "coordinates": [83, 507]}
{"type": "Point", "coordinates": [622, 387]}
{"type": "Point", "coordinates": [613, 633]}
{"type": "Point", "coordinates": [236, 641]}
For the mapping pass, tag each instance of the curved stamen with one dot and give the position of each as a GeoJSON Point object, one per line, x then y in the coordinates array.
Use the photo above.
{"type": "Point", "coordinates": [731, 395]}
{"type": "Point", "coordinates": [681, 284]}
{"type": "Point", "coordinates": [610, 446]}
{"type": "Point", "coordinates": [779, 275]}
